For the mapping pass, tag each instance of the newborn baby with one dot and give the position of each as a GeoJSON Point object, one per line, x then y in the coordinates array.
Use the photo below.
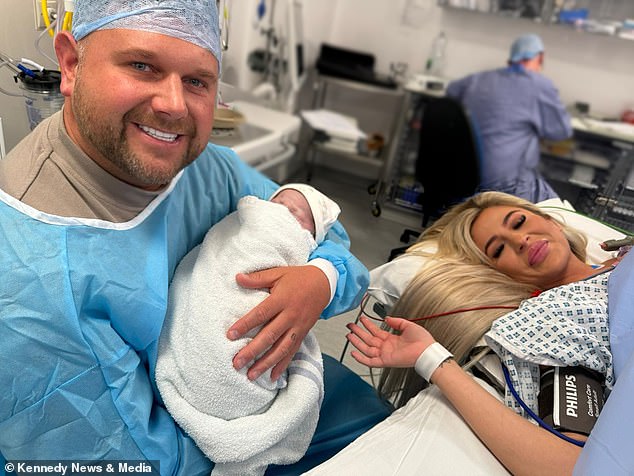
{"type": "Point", "coordinates": [244, 424]}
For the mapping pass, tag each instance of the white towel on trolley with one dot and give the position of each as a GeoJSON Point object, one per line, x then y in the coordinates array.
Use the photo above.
{"type": "Point", "coordinates": [241, 425]}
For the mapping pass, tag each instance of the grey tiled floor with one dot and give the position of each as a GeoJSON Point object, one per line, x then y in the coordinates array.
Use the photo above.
{"type": "Point", "coordinates": [371, 238]}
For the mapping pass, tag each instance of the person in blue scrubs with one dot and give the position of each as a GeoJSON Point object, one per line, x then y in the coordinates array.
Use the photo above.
{"type": "Point", "coordinates": [609, 447]}
{"type": "Point", "coordinates": [97, 207]}
{"type": "Point", "coordinates": [512, 109]}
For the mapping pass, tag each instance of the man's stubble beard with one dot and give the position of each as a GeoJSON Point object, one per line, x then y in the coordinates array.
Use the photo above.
{"type": "Point", "coordinates": [111, 142]}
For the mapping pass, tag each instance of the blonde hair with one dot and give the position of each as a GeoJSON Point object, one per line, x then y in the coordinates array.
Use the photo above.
{"type": "Point", "coordinates": [452, 231]}
{"type": "Point", "coordinates": [459, 276]}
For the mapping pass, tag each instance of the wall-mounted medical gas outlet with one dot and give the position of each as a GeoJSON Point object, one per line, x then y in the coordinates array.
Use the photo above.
{"type": "Point", "coordinates": [39, 18]}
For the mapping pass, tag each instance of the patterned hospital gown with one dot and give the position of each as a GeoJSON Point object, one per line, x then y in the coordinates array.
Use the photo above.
{"type": "Point", "coordinates": [564, 326]}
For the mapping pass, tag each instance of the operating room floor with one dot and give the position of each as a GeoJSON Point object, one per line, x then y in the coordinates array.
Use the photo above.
{"type": "Point", "coordinates": [371, 238]}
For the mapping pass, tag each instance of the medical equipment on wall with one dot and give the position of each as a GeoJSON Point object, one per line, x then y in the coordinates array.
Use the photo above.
{"type": "Point", "coordinates": [64, 11]}
{"type": "Point", "coordinates": [42, 96]}
{"type": "Point", "coordinates": [38, 86]}
{"type": "Point", "coordinates": [281, 61]}
{"type": "Point", "coordinates": [55, 20]}
{"type": "Point", "coordinates": [224, 7]}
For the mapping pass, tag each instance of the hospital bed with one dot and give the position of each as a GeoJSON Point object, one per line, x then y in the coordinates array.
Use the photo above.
{"type": "Point", "coordinates": [427, 436]}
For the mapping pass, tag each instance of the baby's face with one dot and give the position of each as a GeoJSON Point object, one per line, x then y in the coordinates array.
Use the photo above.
{"type": "Point", "coordinates": [298, 206]}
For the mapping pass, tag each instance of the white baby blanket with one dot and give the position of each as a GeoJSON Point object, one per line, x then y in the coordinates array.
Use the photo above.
{"type": "Point", "coordinates": [240, 425]}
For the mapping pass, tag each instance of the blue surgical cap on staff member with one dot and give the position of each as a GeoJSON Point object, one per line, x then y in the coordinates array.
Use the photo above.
{"type": "Point", "coordinates": [526, 47]}
{"type": "Point", "coordinates": [195, 21]}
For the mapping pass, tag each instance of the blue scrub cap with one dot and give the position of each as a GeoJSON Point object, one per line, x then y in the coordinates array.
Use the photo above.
{"type": "Point", "coordinates": [526, 47]}
{"type": "Point", "coordinates": [195, 21]}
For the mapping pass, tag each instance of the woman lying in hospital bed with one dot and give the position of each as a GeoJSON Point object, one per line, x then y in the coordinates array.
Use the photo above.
{"type": "Point", "coordinates": [498, 251]}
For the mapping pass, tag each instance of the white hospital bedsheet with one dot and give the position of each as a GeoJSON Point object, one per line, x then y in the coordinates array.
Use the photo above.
{"type": "Point", "coordinates": [426, 436]}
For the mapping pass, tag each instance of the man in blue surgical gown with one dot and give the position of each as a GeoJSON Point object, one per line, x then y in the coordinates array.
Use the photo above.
{"type": "Point", "coordinates": [97, 207]}
{"type": "Point", "coordinates": [512, 108]}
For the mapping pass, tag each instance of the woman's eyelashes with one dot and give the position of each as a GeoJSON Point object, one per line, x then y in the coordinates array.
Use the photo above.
{"type": "Point", "coordinates": [519, 221]}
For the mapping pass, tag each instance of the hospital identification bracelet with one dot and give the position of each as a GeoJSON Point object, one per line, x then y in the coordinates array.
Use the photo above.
{"type": "Point", "coordinates": [431, 358]}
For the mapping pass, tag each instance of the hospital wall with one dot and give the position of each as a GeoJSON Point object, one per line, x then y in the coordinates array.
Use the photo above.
{"type": "Point", "coordinates": [247, 34]}
{"type": "Point", "coordinates": [585, 67]}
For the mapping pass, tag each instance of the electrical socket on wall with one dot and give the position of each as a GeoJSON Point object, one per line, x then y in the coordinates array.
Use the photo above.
{"type": "Point", "coordinates": [39, 18]}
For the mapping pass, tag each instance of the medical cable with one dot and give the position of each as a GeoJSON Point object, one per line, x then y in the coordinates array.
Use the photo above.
{"type": "Point", "coordinates": [47, 19]}
{"type": "Point", "coordinates": [26, 71]}
{"type": "Point", "coordinates": [507, 377]}
{"type": "Point", "coordinates": [61, 21]}
{"type": "Point", "coordinates": [68, 21]}
{"type": "Point", "coordinates": [448, 313]}
{"type": "Point", "coordinates": [6, 61]}
{"type": "Point", "coordinates": [458, 311]}
{"type": "Point", "coordinates": [40, 50]}
{"type": "Point", "coordinates": [69, 10]}
{"type": "Point", "coordinates": [16, 65]}
{"type": "Point", "coordinates": [64, 12]}
{"type": "Point", "coordinates": [3, 91]}
{"type": "Point", "coordinates": [37, 66]}
{"type": "Point", "coordinates": [383, 315]}
{"type": "Point", "coordinates": [364, 302]}
{"type": "Point", "coordinates": [531, 413]}
{"type": "Point", "coordinates": [476, 358]}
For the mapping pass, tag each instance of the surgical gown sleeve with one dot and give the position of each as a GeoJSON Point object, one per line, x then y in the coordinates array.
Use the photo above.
{"type": "Point", "coordinates": [554, 121]}
{"type": "Point", "coordinates": [609, 447]}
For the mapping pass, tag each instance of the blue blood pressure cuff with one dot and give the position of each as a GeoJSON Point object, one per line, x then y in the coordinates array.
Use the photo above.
{"type": "Point", "coordinates": [571, 398]}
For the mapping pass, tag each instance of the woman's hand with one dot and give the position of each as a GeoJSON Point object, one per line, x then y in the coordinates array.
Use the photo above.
{"type": "Point", "coordinates": [379, 348]}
